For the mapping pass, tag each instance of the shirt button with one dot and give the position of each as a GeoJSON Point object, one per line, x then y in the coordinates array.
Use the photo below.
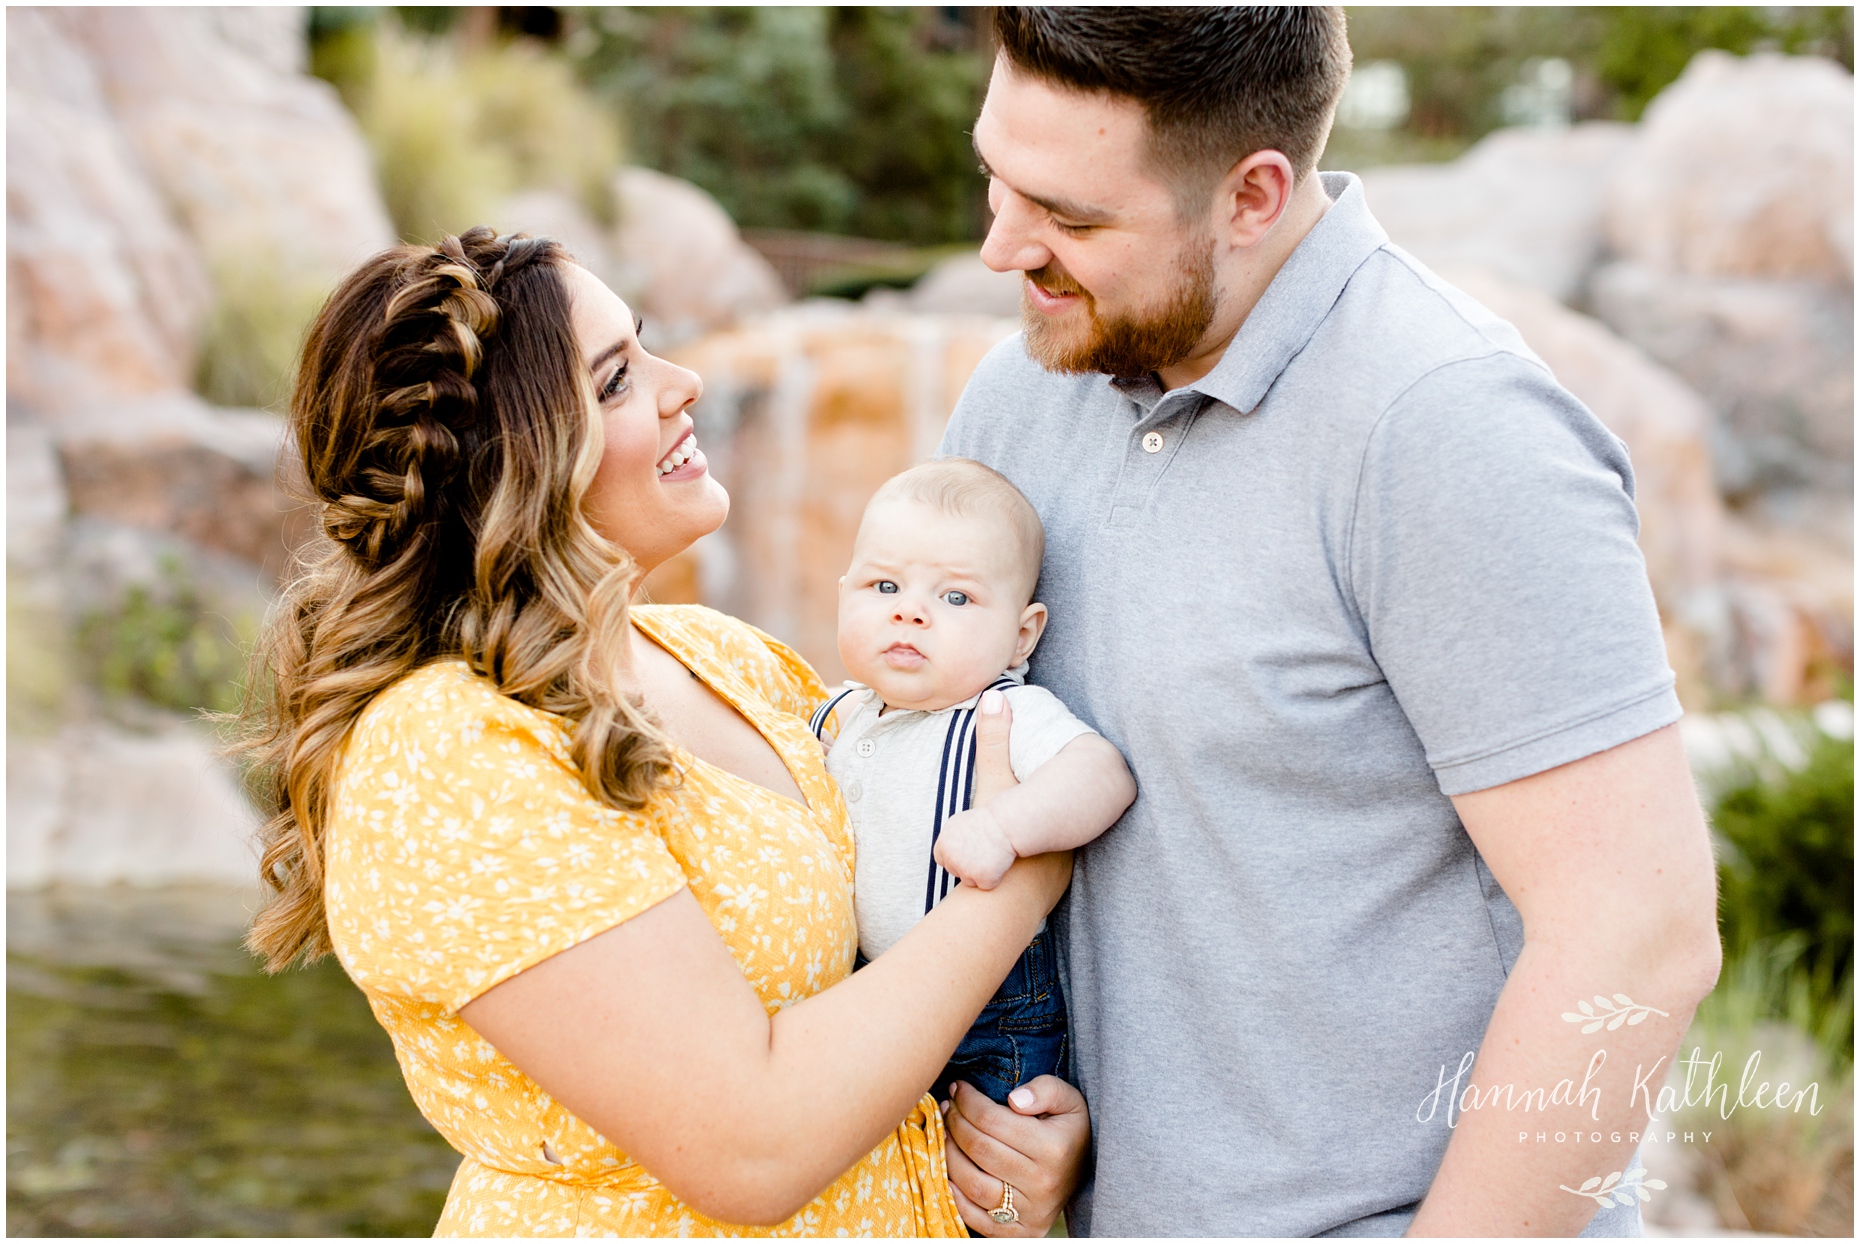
{"type": "Point", "coordinates": [854, 790]}
{"type": "Point", "coordinates": [866, 747]}
{"type": "Point", "coordinates": [1152, 442]}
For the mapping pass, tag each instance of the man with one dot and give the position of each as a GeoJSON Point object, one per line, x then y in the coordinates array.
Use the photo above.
{"type": "Point", "coordinates": [1354, 585]}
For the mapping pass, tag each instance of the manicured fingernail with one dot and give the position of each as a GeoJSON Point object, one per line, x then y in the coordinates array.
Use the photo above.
{"type": "Point", "coordinates": [1021, 1097]}
{"type": "Point", "coordinates": [992, 702]}
{"type": "Point", "coordinates": [945, 1107]}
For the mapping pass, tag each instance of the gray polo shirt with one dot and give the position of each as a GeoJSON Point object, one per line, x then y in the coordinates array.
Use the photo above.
{"type": "Point", "coordinates": [1376, 557]}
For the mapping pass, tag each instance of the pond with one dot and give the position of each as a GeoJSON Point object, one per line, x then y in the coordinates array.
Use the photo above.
{"type": "Point", "coordinates": [159, 1083]}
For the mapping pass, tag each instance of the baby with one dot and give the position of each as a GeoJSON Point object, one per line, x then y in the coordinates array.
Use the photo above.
{"type": "Point", "coordinates": [937, 619]}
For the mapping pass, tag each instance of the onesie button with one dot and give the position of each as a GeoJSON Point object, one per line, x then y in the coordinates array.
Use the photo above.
{"type": "Point", "coordinates": [853, 791]}
{"type": "Point", "coordinates": [866, 747]}
{"type": "Point", "coordinates": [1152, 442]}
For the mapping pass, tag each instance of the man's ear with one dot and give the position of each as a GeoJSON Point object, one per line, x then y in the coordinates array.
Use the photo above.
{"type": "Point", "coordinates": [1032, 626]}
{"type": "Point", "coordinates": [1252, 197]}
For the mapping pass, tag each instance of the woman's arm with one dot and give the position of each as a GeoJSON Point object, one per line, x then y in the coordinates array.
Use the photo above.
{"type": "Point", "coordinates": [650, 1033]}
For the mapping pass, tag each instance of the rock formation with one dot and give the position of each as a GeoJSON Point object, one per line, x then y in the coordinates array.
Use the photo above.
{"type": "Point", "coordinates": [1743, 167]}
{"type": "Point", "coordinates": [1524, 203]}
{"type": "Point", "coordinates": [689, 269]}
{"type": "Point", "coordinates": [164, 167]}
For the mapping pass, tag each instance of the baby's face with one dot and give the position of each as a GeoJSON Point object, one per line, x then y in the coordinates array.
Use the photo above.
{"type": "Point", "coordinates": [934, 606]}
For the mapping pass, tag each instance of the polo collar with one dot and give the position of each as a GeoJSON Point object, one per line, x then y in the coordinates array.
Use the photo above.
{"type": "Point", "coordinates": [1300, 296]}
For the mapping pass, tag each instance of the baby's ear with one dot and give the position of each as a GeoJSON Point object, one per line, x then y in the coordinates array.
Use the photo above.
{"type": "Point", "coordinates": [1032, 626]}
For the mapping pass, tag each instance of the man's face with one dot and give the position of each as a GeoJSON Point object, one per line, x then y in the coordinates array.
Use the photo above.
{"type": "Point", "coordinates": [1116, 281]}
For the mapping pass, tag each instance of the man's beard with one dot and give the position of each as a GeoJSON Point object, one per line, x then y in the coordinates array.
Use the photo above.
{"type": "Point", "coordinates": [1126, 346]}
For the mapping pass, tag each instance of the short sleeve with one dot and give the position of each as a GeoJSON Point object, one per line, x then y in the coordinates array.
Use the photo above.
{"type": "Point", "coordinates": [463, 847]}
{"type": "Point", "coordinates": [1493, 564]}
{"type": "Point", "coordinates": [1042, 726]}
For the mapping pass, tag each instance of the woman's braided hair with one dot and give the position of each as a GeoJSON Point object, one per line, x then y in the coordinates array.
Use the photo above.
{"type": "Point", "coordinates": [445, 426]}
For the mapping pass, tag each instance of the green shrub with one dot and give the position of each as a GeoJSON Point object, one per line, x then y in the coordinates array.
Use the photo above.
{"type": "Point", "coordinates": [165, 645]}
{"type": "Point", "coordinates": [249, 346]}
{"type": "Point", "coordinates": [845, 120]}
{"type": "Point", "coordinates": [1460, 59]}
{"type": "Point", "coordinates": [1786, 889]}
{"type": "Point", "coordinates": [454, 133]}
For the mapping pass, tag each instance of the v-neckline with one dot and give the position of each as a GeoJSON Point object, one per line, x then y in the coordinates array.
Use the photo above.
{"type": "Point", "coordinates": [742, 705]}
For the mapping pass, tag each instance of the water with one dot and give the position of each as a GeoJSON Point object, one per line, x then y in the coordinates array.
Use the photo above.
{"type": "Point", "coordinates": [158, 1083]}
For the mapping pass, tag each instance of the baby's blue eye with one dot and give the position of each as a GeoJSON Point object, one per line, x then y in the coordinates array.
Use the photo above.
{"type": "Point", "coordinates": [956, 598]}
{"type": "Point", "coordinates": [886, 586]}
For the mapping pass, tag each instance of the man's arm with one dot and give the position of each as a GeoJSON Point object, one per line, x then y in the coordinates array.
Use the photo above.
{"type": "Point", "coordinates": [1063, 804]}
{"type": "Point", "coordinates": [1608, 862]}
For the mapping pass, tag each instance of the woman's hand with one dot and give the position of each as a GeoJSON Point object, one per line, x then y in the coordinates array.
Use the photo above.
{"type": "Point", "coordinates": [1038, 1145]}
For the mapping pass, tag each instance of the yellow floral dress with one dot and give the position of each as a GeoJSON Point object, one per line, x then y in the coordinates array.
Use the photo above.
{"type": "Point", "coordinates": [462, 848]}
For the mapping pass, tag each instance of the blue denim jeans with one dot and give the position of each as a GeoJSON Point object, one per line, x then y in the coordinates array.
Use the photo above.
{"type": "Point", "coordinates": [1020, 1034]}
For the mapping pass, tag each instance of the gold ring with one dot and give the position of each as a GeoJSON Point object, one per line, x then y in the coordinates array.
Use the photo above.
{"type": "Point", "coordinates": [1005, 1213]}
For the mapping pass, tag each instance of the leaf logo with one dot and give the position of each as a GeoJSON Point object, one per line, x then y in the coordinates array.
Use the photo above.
{"type": "Point", "coordinates": [1617, 1188]}
{"type": "Point", "coordinates": [1610, 1013]}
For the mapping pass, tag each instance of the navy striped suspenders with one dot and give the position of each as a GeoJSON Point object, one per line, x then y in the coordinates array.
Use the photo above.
{"type": "Point", "coordinates": [818, 722]}
{"type": "Point", "coordinates": [955, 786]}
{"type": "Point", "coordinates": [955, 783]}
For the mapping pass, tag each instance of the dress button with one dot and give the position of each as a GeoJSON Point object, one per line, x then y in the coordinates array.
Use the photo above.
{"type": "Point", "coordinates": [866, 747]}
{"type": "Point", "coordinates": [853, 791]}
{"type": "Point", "coordinates": [1152, 442]}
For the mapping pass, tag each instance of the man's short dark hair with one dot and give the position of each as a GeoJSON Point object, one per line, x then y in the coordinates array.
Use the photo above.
{"type": "Point", "coordinates": [1217, 84]}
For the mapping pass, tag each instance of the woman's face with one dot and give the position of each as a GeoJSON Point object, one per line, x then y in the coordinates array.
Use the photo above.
{"type": "Point", "coordinates": [653, 494]}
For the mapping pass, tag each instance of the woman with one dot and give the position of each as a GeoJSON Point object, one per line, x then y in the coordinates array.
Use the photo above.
{"type": "Point", "coordinates": [583, 859]}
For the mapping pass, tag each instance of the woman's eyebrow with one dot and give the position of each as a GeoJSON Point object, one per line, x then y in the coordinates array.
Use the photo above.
{"type": "Point", "coordinates": [594, 364]}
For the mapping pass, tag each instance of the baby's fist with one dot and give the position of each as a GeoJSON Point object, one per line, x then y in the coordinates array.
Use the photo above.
{"type": "Point", "coordinates": [974, 847]}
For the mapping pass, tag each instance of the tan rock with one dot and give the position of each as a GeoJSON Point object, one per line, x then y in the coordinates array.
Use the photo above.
{"type": "Point", "coordinates": [1774, 358]}
{"type": "Point", "coordinates": [552, 214]}
{"type": "Point", "coordinates": [1744, 167]}
{"type": "Point", "coordinates": [805, 413]}
{"type": "Point", "coordinates": [180, 466]}
{"type": "Point", "coordinates": [261, 166]}
{"type": "Point", "coordinates": [105, 291]}
{"type": "Point", "coordinates": [1525, 203]}
{"type": "Point", "coordinates": [102, 805]}
{"type": "Point", "coordinates": [686, 267]}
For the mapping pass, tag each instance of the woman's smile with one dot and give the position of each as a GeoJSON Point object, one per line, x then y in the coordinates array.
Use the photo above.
{"type": "Point", "coordinates": [685, 461]}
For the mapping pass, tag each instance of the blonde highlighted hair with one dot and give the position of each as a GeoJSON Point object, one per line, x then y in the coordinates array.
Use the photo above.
{"type": "Point", "coordinates": [446, 428]}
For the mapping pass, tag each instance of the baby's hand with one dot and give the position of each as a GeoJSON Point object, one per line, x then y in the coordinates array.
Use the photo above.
{"type": "Point", "coordinates": [974, 847]}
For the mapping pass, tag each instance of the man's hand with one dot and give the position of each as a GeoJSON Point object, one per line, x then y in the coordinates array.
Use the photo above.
{"type": "Point", "coordinates": [1039, 1146]}
{"type": "Point", "coordinates": [975, 848]}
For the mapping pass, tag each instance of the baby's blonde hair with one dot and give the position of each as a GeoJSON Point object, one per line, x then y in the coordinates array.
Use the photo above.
{"type": "Point", "coordinates": [965, 488]}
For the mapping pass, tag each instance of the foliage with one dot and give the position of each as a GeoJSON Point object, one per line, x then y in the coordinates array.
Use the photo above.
{"type": "Point", "coordinates": [1786, 887]}
{"type": "Point", "coordinates": [1643, 49]}
{"type": "Point", "coordinates": [454, 131]}
{"type": "Point", "coordinates": [250, 341]}
{"type": "Point", "coordinates": [1459, 60]}
{"type": "Point", "coordinates": [186, 1093]}
{"type": "Point", "coordinates": [845, 120]}
{"type": "Point", "coordinates": [164, 645]}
